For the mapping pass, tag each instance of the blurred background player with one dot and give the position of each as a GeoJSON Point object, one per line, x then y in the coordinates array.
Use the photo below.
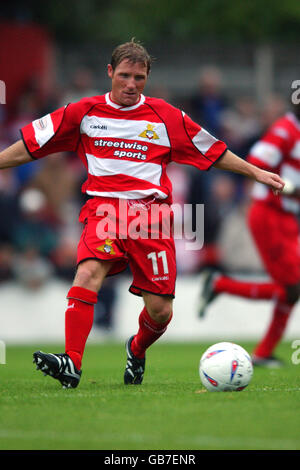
{"type": "Point", "coordinates": [273, 222]}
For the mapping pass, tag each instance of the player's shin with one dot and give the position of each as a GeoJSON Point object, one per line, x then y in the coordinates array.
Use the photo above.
{"type": "Point", "coordinates": [149, 332]}
{"type": "Point", "coordinates": [78, 322]}
{"type": "Point", "coordinates": [275, 331]}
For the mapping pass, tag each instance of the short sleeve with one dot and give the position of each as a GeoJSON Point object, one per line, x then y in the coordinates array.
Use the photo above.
{"type": "Point", "coordinates": [195, 146]}
{"type": "Point", "coordinates": [58, 131]}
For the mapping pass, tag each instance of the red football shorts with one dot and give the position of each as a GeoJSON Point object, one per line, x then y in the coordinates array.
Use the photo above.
{"type": "Point", "coordinates": [137, 233]}
{"type": "Point", "coordinates": [276, 234]}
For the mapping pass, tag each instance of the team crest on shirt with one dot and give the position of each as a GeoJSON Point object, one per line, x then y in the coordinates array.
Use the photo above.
{"type": "Point", "coordinates": [149, 133]}
{"type": "Point", "coordinates": [107, 247]}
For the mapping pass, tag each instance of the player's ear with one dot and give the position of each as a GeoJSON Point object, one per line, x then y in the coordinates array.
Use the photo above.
{"type": "Point", "coordinates": [110, 71]}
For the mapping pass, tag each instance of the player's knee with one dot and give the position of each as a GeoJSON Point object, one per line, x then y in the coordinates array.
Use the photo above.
{"type": "Point", "coordinates": [163, 316]}
{"type": "Point", "coordinates": [160, 310]}
{"type": "Point", "coordinates": [89, 275]}
{"type": "Point", "coordinates": [293, 293]}
{"type": "Point", "coordinates": [85, 276]}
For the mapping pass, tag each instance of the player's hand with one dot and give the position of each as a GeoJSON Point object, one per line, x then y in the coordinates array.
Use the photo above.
{"type": "Point", "coordinates": [272, 180]}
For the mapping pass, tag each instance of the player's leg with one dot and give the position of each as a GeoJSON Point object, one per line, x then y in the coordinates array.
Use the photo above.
{"type": "Point", "coordinates": [263, 222]}
{"type": "Point", "coordinates": [215, 283]}
{"type": "Point", "coordinates": [274, 246]}
{"type": "Point", "coordinates": [66, 367]}
{"type": "Point", "coordinates": [153, 322]}
{"type": "Point", "coordinates": [82, 298]}
{"type": "Point", "coordinates": [279, 250]}
{"type": "Point", "coordinates": [153, 265]}
{"type": "Point", "coordinates": [97, 255]}
{"type": "Point", "coordinates": [263, 353]}
{"type": "Point", "coordinates": [251, 289]}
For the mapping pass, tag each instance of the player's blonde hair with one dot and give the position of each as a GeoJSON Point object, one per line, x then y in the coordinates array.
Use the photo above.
{"type": "Point", "coordinates": [132, 51]}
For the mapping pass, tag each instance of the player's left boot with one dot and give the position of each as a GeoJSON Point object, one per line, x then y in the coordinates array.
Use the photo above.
{"type": "Point", "coordinates": [58, 366]}
{"type": "Point", "coordinates": [207, 294]}
{"type": "Point", "coordinates": [135, 367]}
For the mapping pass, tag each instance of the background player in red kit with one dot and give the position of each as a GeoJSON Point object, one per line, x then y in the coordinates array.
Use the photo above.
{"type": "Point", "coordinates": [273, 222]}
{"type": "Point", "coordinates": [125, 140]}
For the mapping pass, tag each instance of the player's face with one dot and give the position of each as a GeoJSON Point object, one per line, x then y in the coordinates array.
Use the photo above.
{"type": "Point", "coordinates": [128, 82]}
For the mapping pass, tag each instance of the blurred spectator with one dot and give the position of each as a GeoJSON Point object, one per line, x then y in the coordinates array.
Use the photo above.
{"type": "Point", "coordinates": [58, 168]}
{"type": "Point", "coordinates": [6, 261]}
{"type": "Point", "coordinates": [34, 227]}
{"type": "Point", "coordinates": [64, 259]}
{"type": "Point", "coordinates": [180, 177]}
{"type": "Point", "coordinates": [63, 200]}
{"type": "Point", "coordinates": [104, 309]}
{"type": "Point", "coordinates": [209, 102]}
{"type": "Point", "coordinates": [159, 91]}
{"type": "Point", "coordinates": [223, 194]}
{"type": "Point", "coordinates": [27, 110]}
{"type": "Point", "coordinates": [34, 239]}
{"type": "Point", "coordinates": [221, 201]}
{"type": "Point", "coordinates": [241, 125]}
{"type": "Point", "coordinates": [81, 86]}
{"type": "Point", "coordinates": [31, 269]}
{"type": "Point", "coordinates": [236, 247]}
{"type": "Point", "coordinates": [8, 206]}
{"type": "Point", "coordinates": [275, 106]}
{"type": "Point", "coordinates": [207, 107]}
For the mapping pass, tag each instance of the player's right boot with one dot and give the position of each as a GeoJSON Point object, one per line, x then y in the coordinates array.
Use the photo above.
{"type": "Point", "coordinates": [58, 366]}
{"type": "Point", "coordinates": [135, 367]}
{"type": "Point", "coordinates": [207, 294]}
{"type": "Point", "coordinates": [269, 362]}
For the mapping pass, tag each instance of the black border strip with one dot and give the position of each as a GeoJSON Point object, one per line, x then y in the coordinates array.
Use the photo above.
{"type": "Point", "coordinates": [223, 153]}
{"type": "Point", "coordinates": [148, 291]}
{"type": "Point", "coordinates": [25, 145]}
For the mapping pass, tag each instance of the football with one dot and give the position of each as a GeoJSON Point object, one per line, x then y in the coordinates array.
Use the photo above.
{"type": "Point", "coordinates": [225, 367]}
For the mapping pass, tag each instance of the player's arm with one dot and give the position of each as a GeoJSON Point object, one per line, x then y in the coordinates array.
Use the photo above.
{"type": "Point", "coordinates": [14, 155]}
{"type": "Point", "coordinates": [231, 162]}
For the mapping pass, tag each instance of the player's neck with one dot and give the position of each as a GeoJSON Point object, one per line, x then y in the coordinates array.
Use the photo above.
{"type": "Point", "coordinates": [121, 104]}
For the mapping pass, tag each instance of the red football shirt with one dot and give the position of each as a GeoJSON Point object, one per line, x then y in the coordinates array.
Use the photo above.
{"type": "Point", "coordinates": [125, 149]}
{"type": "Point", "coordinates": [279, 151]}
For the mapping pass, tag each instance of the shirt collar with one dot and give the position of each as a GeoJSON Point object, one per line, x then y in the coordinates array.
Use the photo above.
{"type": "Point", "coordinates": [123, 108]}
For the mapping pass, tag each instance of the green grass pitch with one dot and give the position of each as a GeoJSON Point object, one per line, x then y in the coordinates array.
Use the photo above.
{"type": "Point", "coordinates": [170, 410]}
